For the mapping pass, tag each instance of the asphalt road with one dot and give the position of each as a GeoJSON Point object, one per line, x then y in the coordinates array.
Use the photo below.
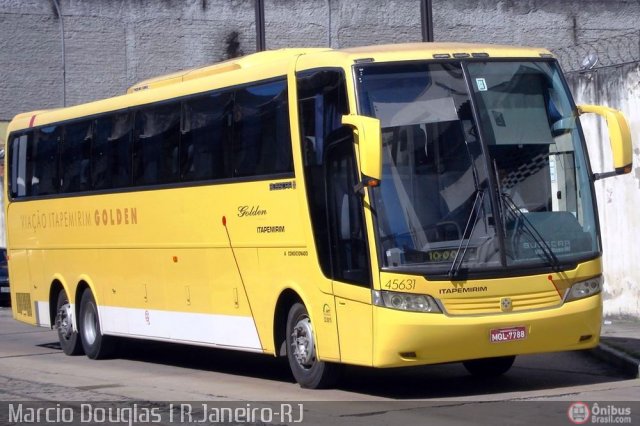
{"type": "Point", "coordinates": [33, 368]}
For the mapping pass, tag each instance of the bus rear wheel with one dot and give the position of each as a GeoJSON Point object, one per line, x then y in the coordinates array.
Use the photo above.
{"type": "Point", "coordinates": [68, 337]}
{"type": "Point", "coordinates": [308, 371]}
{"type": "Point", "coordinates": [95, 344]}
{"type": "Point", "coordinates": [489, 367]}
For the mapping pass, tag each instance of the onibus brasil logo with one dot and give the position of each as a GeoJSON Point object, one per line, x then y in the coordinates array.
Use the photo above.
{"type": "Point", "coordinates": [580, 413]}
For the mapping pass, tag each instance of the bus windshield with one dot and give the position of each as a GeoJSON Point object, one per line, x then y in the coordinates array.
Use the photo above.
{"type": "Point", "coordinates": [474, 183]}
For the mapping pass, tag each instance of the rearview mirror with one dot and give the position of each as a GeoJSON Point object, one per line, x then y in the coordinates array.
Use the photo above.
{"type": "Point", "coordinates": [619, 137]}
{"type": "Point", "coordinates": [369, 138]}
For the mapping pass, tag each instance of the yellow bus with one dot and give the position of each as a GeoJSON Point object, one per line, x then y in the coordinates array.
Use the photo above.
{"type": "Point", "coordinates": [382, 206]}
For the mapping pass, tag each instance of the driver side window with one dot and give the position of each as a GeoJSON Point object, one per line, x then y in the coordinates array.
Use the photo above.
{"type": "Point", "coordinates": [344, 205]}
{"type": "Point", "coordinates": [330, 175]}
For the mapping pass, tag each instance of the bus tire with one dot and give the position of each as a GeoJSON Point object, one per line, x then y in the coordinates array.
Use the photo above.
{"type": "Point", "coordinates": [69, 340]}
{"type": "Point", "coordinates": [308, 371]}
{"type": "Point", "coordinates": [489, 367]}
{"type": "Point", "coordinates": [95, 344]}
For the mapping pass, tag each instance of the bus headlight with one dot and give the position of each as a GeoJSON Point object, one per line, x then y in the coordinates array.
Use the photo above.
{"type": "Point", "coordinates": [405, 301]}
{"type": "Point", "coordinates": [584, 289]}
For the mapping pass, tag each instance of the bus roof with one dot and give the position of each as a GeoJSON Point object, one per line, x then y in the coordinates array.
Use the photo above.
{"type": "Point", "coordinates": [248, 61]}
{"type": "Point", "coordinates": [379, 52]}
{"type": "Point", "coordinates": [264, 65]}
{"type": "Point", "coordinates": [416, 49]}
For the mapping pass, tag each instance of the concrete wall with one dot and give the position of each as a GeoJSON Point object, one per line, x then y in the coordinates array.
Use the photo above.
{"type": "Point", "coordinates": [111, 44]}
{"type": "Point", "coordinates": [618, 197]}
{"type": "Point", "coordinates": [3, 131]}
{"type": "Point", "coordinates": [3, 134]}
{"type": "Point", "coordinates": [548, 23]}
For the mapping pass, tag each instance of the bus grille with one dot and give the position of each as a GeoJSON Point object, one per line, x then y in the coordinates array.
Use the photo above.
{"type": "Point", "coordinates": [23, 304]}
{"type": "Point", "coordinates": [492, 305]}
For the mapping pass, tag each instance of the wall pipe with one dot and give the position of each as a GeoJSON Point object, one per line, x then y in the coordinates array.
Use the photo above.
{"type": "Point", "coordinates": [329, 23]}
{"type": "Point", "coordinates": [64, 59]}
{"type": "Point", "coordinates": [261, 43]}
{"type": "Point", "coordinates": [426, 15]}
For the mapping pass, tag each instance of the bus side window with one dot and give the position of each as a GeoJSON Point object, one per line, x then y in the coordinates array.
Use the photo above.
{"type": "Point", "coordinates": [75, 158]}
{"type": "Point", "coordinates": [155, 146]}
{"type": "Point", "coordinates": [111, 153]}
{"type": "Point", "coordinates": [261, 139]}
{"type": "Point", "coordinates": [43, 153]}
{"type": "Point", "coordinates": [18, 165]}
{"type": "Point", "coordinates": [204, 145]}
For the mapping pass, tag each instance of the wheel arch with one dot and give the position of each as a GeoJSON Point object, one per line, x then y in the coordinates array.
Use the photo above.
{"type": "Point", "coordinates": [84, 283]}
{"type": "Point", "coordinates": [54, 290]}
{"type": "Point", "coordinates": [59, 284]}
{"type": "Point", "coordinates": [286, 300]}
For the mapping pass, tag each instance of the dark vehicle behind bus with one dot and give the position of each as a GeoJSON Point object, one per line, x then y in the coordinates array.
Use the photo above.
{"type": "Point", "coordinates": [5, 296]}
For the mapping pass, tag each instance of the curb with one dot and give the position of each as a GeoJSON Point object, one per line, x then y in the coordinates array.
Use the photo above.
{"type": "Point", "coordinates": [617, 358]}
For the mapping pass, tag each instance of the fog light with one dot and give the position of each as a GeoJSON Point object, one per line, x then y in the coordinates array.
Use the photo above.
{"type": "Point", "coordinates": [408, 355]}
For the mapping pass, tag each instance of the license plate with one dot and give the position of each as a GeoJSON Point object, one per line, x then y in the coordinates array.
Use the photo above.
{"type": "Point", "coordinates": [4, 290]}
{"type": "Point", "coordinates": [499, 335]}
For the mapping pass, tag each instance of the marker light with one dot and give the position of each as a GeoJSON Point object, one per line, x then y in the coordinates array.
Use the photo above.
{"type": "Point", "coordinates": [373, 183]}
{"type": "Point", "coordinates": [405, 301]}
{"type": "Point", "coordinates": [583, 289]}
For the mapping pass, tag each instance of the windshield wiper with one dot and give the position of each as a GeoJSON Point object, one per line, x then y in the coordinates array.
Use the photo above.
{"type": "Point", "coordinates": [531, 230]}
{"type": "Point", "coordinates": [473, 217]}
{"type": "Point", "coordinates": [471, 222]}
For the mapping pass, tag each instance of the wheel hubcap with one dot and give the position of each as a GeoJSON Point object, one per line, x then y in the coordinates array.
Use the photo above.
{"type": "Point", "coordinates": [64, 321]}
{"type": "Point", "coordinates": [90, 325]}
{"type": "Point", "coordinates": [302, 345]}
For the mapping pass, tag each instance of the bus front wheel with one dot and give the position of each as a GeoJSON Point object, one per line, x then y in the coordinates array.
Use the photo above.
{"type": "Point", "coordinates": [69, 341]}
{"type": "Point", "coordinates": [489, 367]}
{"type": "Point", "coordinates": [94, 343]}
{"type": "Point", "coordinates": [308, 371]}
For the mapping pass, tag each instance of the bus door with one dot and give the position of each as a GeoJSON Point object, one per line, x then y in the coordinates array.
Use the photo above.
{"type": "Point", "coordinates": [349, 254]}
{"type": "Point", "coordinates": [335, 209]}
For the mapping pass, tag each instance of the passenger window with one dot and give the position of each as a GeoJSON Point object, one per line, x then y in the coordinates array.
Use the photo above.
{"type": "Point", "coordinates": [43, 155]}
{"type": "Point", "coordinates": [18, 164]}
{"type": "Point", "coordinates": [204, 148]}
{"type": "Point", "coordinates": [76, 157]}
{"type": "Point", "coordinates": [261, 137]}
{"type": "Point", "coordinates": [111, 155]}
{"type": "Point", "coordinates": [155, 149]}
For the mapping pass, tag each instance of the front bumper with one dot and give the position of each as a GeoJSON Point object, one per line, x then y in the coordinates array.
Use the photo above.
{"type": "Point", "coordinates": [408, 338]}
